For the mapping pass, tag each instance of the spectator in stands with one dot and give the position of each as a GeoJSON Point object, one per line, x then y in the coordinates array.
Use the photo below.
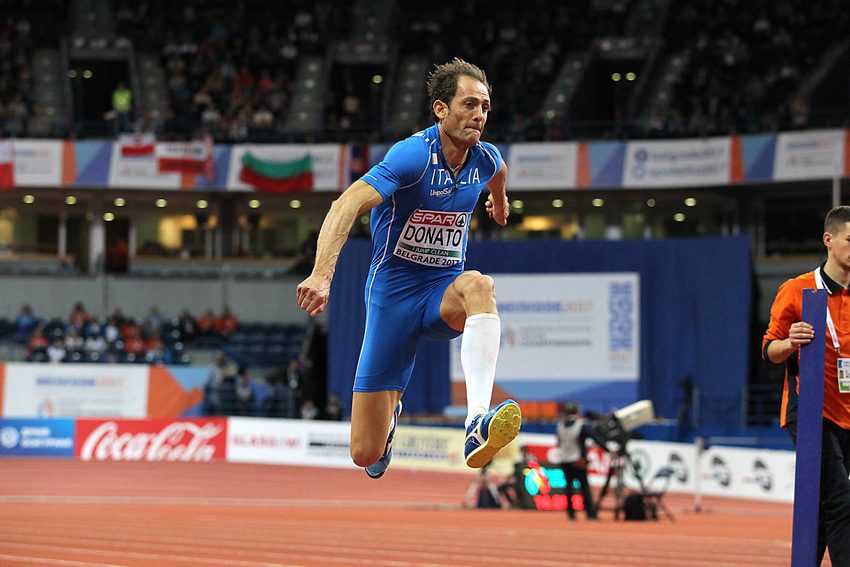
{"type": "Point", "coordinates": [274, 402]}
{"type": "Point", "coordinates": [111, 331]}
{"type": "Point", "coordinates": [95, 344]}
{"type": "Point", "coordinates": [154, 347]}
{"type": "Point", "coordinates": [218, 384]}
{"type": "Point", "coordinates": [309, 410]}
{"type": "Point", "coordinates": [79, 317]}
{"type": "Point", "coordinates": [25, 323]}
{"type": "Point", "coordinates": [73, 340]}
{"type": "Point", "coordinates": [245, 403]}
{"type": "Point", "coordinates": [122, 106]}
{"type": "Point", "coordinates": [226, 323]}
{"type": "Point", "coordinates": [187, 325]}
{"type": "Point", "coordinates": [205, 323]}
{"type": "Point", "coordinates": [153, 322]}
{"type": "Point", "coordinates": [56, 351]}
{"type": "Point", "coordinates": [118, 317]}
{"type": "Point", "coordinates": [37, 341]}
{"type": "Point", "coordinates": [333, 409]}
{"type": "Point", "coordinates": [133, 343]}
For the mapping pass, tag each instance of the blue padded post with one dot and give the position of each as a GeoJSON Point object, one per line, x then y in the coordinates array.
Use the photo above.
{"type": "Point", "coordinates": [809, 433]}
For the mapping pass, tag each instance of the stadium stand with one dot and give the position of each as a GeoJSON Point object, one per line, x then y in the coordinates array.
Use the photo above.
{"type": "Point", "coordinates": [324, 71]}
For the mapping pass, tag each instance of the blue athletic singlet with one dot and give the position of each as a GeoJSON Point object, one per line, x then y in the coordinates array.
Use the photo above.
{"type": "Point", "coordinates": [419, 236]}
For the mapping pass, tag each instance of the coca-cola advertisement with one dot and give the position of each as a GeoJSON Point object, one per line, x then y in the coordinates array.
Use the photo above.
{"type": "Point", "coordinates": [187, 440]}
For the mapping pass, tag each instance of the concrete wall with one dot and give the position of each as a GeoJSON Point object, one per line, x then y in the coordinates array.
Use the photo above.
{"type": "Point", "coordinates": [271, 300]}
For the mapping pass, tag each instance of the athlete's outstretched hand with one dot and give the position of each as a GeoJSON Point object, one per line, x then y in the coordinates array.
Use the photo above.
{"type": "Point", "coordinates": [498, 211]}
{"type": "Point", "coordinates": [313, 293]}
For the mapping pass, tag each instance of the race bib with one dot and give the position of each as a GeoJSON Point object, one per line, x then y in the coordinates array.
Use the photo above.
{"type": "Point", "coordinates": [844, 375]}
{"type": "Point", "coordinates": [433, 238]}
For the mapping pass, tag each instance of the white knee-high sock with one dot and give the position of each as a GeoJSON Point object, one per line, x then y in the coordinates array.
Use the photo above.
{"type": "Point", "coordinates": [479, 349]}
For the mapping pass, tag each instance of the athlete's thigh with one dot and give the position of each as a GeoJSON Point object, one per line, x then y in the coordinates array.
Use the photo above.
{"type": "Point", "coordinates": [393, 327]}
{"type": "Point", "coordinates": [444, 314]}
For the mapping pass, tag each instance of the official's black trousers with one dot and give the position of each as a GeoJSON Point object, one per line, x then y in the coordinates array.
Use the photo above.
{"type": "Point", "coordinates": [571, 473]}
{"type": "Point", "coordinates": [834, 524]}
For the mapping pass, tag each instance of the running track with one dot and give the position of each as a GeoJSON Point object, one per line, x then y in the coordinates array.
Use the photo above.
{"type": "Point", "coordinates": [69, 512]}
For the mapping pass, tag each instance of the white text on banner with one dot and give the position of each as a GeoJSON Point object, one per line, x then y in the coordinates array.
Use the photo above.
{"type": "Point", "coordinates": [75, 390]}
{"type": "Point", "coordinates": [592, 320]}
{"type": "Point", "coordinates": [678, 163]}
{"type": "Point", "coordinates": [38, 163]}
{"type": "Point", "coordinates": [542, 165]}
{"type": "Point", "coordinates": [817, 154]}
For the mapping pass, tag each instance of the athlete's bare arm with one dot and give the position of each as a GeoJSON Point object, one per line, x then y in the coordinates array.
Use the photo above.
{"type": "Point", "coordinates": [497, 201]}
{"type": "Point", "coordinates": [800, 333]}
{"type": "Point", "coordinates": [360, 197]}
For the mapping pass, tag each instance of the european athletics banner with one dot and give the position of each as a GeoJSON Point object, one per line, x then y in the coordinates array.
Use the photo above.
{"type": "Point", "coordinates": [679, 163]}
{"type": "Point", "coordinates": [74, 390]}
{"type": "Point", "coordinates": [36, 437]}
{"type": "Point", "coordinates": [567, 336]}
{"type": "Point", "coordinates": [813, 154]}
{"type": "Point", "coordinates": [542, 165]}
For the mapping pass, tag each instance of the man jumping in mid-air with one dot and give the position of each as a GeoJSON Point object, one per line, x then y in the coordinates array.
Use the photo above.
{"type": "Point", "coordinates": [421, 198]}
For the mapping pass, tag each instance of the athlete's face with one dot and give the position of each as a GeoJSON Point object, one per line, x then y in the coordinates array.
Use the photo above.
{"type": "Point", "coordinates": [838, 245]}
{"type": "Point", "coordinates": [463, 119]}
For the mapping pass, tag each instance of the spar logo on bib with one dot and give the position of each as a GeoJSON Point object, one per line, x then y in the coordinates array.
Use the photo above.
{"type": "Point", "coordinates": [433, 238]}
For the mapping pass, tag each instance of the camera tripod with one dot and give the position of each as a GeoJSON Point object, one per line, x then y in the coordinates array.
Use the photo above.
{"type": "Point", "coordinates": [653, 500]}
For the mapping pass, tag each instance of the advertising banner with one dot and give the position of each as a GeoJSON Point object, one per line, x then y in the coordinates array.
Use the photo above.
{"type": "Point", "coordinates": [816, 154]}
{"type": "Point", "coordinates": [38, 163]}
{"type": "Point", "coordinates": [285, 441]}
{"type": "Point", "coordinates": [748, 473]}
{"type": "Point", "coordinates": [678, 163]}
{"type": "Point", "coordinates": [188, 440]}
{"type": "Point", "coordinates": [592, 320]}
{"type": "Point", "coordinates": [723, 471]}
{"type": "Point", "coordinates": [432, 448]}
{"type": "Point", "coordinates": [75, 390]}
{"type": "Point", "coordinates": [36, 437]}
{"type": "Point", "coordinates": [542, 165]}
{"type": "Point", "coordinates": [133, 168]}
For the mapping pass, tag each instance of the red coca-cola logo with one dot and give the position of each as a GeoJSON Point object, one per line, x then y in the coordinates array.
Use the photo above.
{"type": "Point", "coordinates": [188, 440]}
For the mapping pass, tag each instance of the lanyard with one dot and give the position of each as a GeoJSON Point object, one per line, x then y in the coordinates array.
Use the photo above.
{"type": "Point", "coordinates": [830, 325]}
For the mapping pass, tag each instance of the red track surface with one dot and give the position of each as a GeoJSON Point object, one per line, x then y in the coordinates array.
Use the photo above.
{"type": "Point", "coordinates": [57, 512]}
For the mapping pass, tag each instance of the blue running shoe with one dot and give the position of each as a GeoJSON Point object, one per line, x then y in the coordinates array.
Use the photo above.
{"type": "Point", "coordinates": [490, 432]}
{"type": "Point", "coordinates": [378, 469]}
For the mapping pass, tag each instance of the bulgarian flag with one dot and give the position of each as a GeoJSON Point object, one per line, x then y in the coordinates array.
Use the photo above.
{"type": "Point", "coordinates": [7, 164]}
{"type": "Point", "coordinates": [277, 176]}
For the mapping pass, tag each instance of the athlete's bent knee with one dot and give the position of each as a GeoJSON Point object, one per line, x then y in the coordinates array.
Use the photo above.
{"type": "Point", "coordinates": [481, 286]}
{"type": "Point", "coordinates": [363, 454]}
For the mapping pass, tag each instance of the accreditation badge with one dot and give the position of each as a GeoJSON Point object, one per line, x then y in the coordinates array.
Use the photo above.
{"type": "Point", "coordinates": [844, 375]}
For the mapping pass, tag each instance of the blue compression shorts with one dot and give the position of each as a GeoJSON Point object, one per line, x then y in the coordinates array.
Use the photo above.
{"type": "Point", "coordinates": [395, 321]}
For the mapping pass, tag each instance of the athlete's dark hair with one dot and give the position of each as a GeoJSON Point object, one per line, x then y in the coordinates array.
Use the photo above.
{"type": "Point", "coordinates": [836, 218]}
{"type": "Point", "coordinates": [442, 82]}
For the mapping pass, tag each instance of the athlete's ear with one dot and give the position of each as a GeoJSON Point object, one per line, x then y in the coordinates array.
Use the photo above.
{"type": "Point", "coordinates": [440, 109]}
{"type": "Point", "coordinates": [827, 240]}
